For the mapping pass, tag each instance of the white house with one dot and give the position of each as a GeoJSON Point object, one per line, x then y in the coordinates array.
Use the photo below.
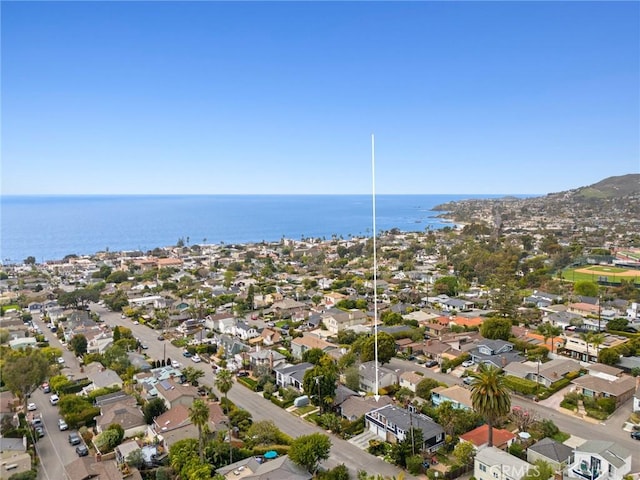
{"type": "Point", "coordinates": [491, 463]}
{"type": "Point", "coordinates": [599, 460]}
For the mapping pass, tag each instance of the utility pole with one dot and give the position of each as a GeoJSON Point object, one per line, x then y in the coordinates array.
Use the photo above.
{"type": "Point", "coordinates": [317, 379]}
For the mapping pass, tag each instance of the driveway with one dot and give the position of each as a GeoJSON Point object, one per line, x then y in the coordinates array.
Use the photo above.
{"type": "Point", "coordinates": [554, 400]}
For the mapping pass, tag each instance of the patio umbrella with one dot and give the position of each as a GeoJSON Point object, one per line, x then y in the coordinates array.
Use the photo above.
{"type": "Point", "coordinates": [271, 454]}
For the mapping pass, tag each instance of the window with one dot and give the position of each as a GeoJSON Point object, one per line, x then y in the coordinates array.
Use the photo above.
{"type": "Point", "coordinates": [495, 475]}
{"type": "Point", "coordinates": [483, 468]}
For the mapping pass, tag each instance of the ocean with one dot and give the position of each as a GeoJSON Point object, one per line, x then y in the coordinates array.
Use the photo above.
{"type": "Point", "coordinates": [51, 227]}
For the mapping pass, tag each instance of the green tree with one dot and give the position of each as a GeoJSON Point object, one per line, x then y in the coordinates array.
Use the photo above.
{"type": "Point", "coordinates": [541, 471]}
{"type": "Point", "coordinates": [24, 371]}
{"type": "Point", "coordinates": [319, 382]}
{"type": "Point", "coordinates": [496, 328]}
{"type": "Point", "coordinates": [386, 348]}
{"type": "Point", "coordinates": [586, 288]}
{"type": "Point", "coordinates": [313, 355]}
{"type": "Point", "coordinates": [152, 409]}
{"type": "Point", "coordinates": [608, 356]}
{"type": "Point", "coordinates": [199, 416]}
{"type": "Point", "coordinates": [352, 378]}
{"type": "Point", "coordinates": [489, 396]}
{"type": "Point", "coordinates": [410, 445]}
{"type": "Point", "coordinates": [424, 387]}
{"type": "Point", "coordinates": [464, 452]}
{"type": "Point", "coordinates": [78, 344]}
{"type": "Point", "coordinates": [447, 286]}
{"type": "Point", "coordinates": [505, 299]}
{"type": "Point", "coordinates": [309, 450]}
{"type": "Point", "coordinates": [265, 432]}
{"type": "Point", "coordinates": [617, 325]}
{"type": "Point", "coordinates": [240, 419]}
{"type": "Point", "coordinates": [549, 331]}
{"type": "Point", "coordinates": [192, 374]}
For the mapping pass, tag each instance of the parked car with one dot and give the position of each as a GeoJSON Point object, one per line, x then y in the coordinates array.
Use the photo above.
{"type": "Point", "coordinates": [242, 374]}
{"type": "Point", "coordinates": [431, 363]}
{"type": "Point", "coordinates": [82, 450]}
{"type": "Point", "coordinates": [46, 388]}
{"type": "Point", "coordinates": [60, 360]}
{"type": "Point", "coordinates": [467, 380]}
{"type": "Point", "coordinates": [54, 399]}
{"type": "Point", "coordinates": [175, 364]}
{"type": "Point", "coordinates": [186, 353]}
{"type": "Point", "coordinates": [161, 338]}
{"type": "Point", "coordinates": [62, 425]}
{"type": "Point", "coordinates": [196, 359]}
{"type": "Point", "coordinates": [468, 363]}
{"type": "Point", "coordinates": [31, 407]}
{"type": "Point", "coordinates": [144, 346]}
{"type": "Point", "coordinates": [39, 431]}
{"type": "Point", "coordinates": [74, 438]}
{"type": "Point", "coordinates": [635, 435]}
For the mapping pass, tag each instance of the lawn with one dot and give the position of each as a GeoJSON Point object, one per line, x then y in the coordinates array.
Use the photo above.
{"type": "Point", "coordinates": [304, 410]}
{"type": "Point", "coordinates": [612, 274]}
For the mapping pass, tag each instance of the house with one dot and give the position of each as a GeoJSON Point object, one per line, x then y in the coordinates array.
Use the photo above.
{"type": "Point", "coordinates": [367, 376]}
{"type": "Point", "coordinates": [436, 329]}
{"type": "Point", "coordinates": [174, 393]}
{"type": "Point", "coordinates": [393, 424]}
{"type": "Point", "coordinates": [355, 407]}
{"type": "Point", "coordinates": [337, 320]}
{"type": "Point", "coordinates": [245, 331]}
{"type": "Point", "coordinates": [479, 437]}
{"type": "Point", "coordinates": [458, 396]}
{"type": "Point", "coordinates": [292, 375]}
{"type": "Point", "coordinates": [88, 467]}
{"type": "Point", "coordinates": [599, 460]}
{"type": "Point", "coordinates": [556, 454]}
{"type": "Point", "coordinates": [268, 337]}
{"type": "Point", "coordinates": [577, 348]}
{"type": "Point", "coordinates": [307, 342]}
{"type": "Point", "coordinates": [491, 463]}
{"type": "Point", "coordinates": [495, 352]}
{"type": "Point", "coordinates": [7, 410]}
{"type": "Point", "coordinates": [101, 377]}
{"type": "Point", "coordinates": [127, 415]}
{"type": "Point", "coordinates": [410, 380]}
{"type": "Point", "coordinates": [221, 322]}
{"type": "Point", "coordinates": [622, 389]}
{"type": "Point", "coordinates": [544, 373]}
{"type": "Point", "coordinates": [250, 468]}
{"type": "Point", "coordinates": [14, 458]}
{"type": "Point", "coordinates": [457, 304]}
{"type": "Point", "coordinates": [264, 357]}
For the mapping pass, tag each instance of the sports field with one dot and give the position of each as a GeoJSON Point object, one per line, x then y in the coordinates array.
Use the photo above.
{"type": "Point", "coordinates": [604, 273]}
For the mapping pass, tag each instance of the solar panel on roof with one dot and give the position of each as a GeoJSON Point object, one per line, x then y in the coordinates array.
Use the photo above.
{"type": "Point", "coordinates": [165, 384]}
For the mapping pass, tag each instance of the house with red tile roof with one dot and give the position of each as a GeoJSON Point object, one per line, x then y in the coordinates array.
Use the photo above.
{"type": "Point", "coordinates": [479, 437]}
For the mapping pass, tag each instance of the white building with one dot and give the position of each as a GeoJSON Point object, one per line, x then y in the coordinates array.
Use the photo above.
{"type": "Point", "coordinates": [491, 463]}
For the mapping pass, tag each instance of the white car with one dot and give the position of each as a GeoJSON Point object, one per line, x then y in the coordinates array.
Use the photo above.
{"type": "Point", "coordinates": [60, 360]}
{"type": "Point", "coordinates": [31, 407]}
{"type": "Point", "coordinates": [62, 425]}
{"type": "Point", "coordinates": [54, 399]}
{"type": "Point", "coordinates": [175, 364]}
{"type": "Point", "coordinates": [196, 359]}
{"type": "Point", "coordinates": [468, 363]}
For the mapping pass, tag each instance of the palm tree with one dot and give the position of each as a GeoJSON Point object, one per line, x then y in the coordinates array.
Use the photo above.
{"type": "Point", "coordinates": [199, 416]}
{"type": "Point", "coordinates": [489, 396]}
{"type": "Point", "coordinates": [549, 331]}
{"type": "Point", "coordinates": [587, 337]}
{"type": "Point", "coordinates": [224, 382]}
{"type": "Point", "coordinates": [597, 339]}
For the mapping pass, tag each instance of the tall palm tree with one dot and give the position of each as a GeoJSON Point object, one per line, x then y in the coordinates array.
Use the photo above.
{"type": "Point", "coordinates": [224, 382]}
{"type": "Point", "coordinates": [199, 416]}
{"type": "Point", "coordinates": [597, 339]}
{"type": "Point", "coordinates": [549, 331]}
{"type": "Point", "coordinates": [587, 337]}
{"type": "Point", "coordinates": [489, 396]}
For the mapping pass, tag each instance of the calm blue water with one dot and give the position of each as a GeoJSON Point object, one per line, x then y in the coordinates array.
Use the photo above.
{"type": "Point", "coordinates": [51, 227]}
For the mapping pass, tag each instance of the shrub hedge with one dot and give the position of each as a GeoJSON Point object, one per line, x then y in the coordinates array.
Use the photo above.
{"type": "Point", "coordinates": [520, 385]}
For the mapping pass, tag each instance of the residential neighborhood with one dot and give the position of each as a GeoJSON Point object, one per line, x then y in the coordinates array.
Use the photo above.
{"type": "Point", "coordinates": [151, 354]}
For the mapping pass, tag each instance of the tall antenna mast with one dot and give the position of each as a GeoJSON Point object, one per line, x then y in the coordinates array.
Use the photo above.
{"type": "Point", "coordinates": [375, 267]}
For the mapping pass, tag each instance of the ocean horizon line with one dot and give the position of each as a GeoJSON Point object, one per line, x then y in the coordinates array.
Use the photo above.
{"type": "Point", "coordinates": [484, 195]}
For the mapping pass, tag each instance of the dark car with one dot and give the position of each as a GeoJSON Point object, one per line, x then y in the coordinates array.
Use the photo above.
{"type": "Point", "coordinates": [82, 450]}
{"type": "Point", "coordinates": [74, 438]}
{"type": "Point", "coordinates": [161, 338]}
{"type": "Point", "coordinates": [635, 435]}
{"type": "Point", "coordinates": [187, 354]}
{"type": "Point", "coordinates": [431, 363]}
{"type": "Point", "coordinates": [242, 374]}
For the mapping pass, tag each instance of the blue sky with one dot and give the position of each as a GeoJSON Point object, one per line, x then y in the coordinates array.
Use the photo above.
{"type": "Point", "coordinates": [226, 98]}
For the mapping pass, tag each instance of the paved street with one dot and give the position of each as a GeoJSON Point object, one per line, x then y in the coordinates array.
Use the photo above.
{"type": "Point", "coordinates": [58, 452]}
{"type": "Point", "coordinates": [261, 409]}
